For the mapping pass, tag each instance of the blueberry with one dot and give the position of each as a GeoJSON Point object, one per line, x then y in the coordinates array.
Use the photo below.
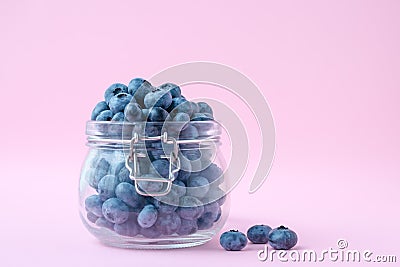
{"type": "Point", "coordinates": [160, 167]}
{"type": "Point", "coordinates": [158, 98]}
{"type": "Point", "coordinates": [204, 108]}
{"type": "Point", "coordinates": [179, 188]}
{"type": "Point", "coordinates": [203, 223]}
{"type": "Point", "coordinates": [190, 132]}
{"type": "Point", "coordinates": [93, 204]}
{"type": "Point", "coordinates": [133, 112]}
{"type": "Point", "coordinates": [282, 238]}
{"type": "Point", "coordinates": [105, 115]}
{"type": "Point", "coordinates": [145, 113]}
{"type": "Point", "coordinates": [102, 222]}
{"type": "Point", "coordinates": [198, 186]}
{"type": "Point", "coordinates": [258, 234]}
{"type": "Point", "coordinates": [180, 105]}
{"type": "Point", "coordinates": [139, 92]}
{"type": "Point", "coordinates": [195, 107]}
{"type": "Point", "coordinates": [187, 227]}
{"type": "Point", "coordinates": [151, 232]}
{"type": "Point", "coordinates": [106, 187]}
{"type": "Point", "coordinates": [157, 114]}
{"type": "Point", "coordinates": [118, 102]}
{"type": "Point", "coordinates": [127, 193]}
{"type": "Point", "coordinates": [174, 89]}
{"type": "Point", "coordinates": [215, 194]}
{"type": "Point", "coordinates": [168, 223]}
{"type": "Point", "coordinates": [164, 207]}
{"type": "Point", "coordinates": [170, 199]}
{"type": "Point", "coordinates": [150, 186]}
{"type": "Point", "coordinates": [128, 228]}
{"type": "Point", "coordinates": [233, 240]}
{"type": "Point", "coordinates": [101, 170]}
{"type": "Point", "coordinates": [219, 214]}
{"type": "Point", "coordinates": [202, 117]}
{"type": "Point", "coordinates": [101, 106]}
{"type": "Point", "coordinates": [147, 216]}
{"type": "Point", "coordinates": [115, 211]}
{"type": "Point", "coordinates": [118, 117]}
{"type": "Point", "coordinates": [114, 90]}
{"type": "Point", "coordinates": [212, 173]}
{"type": "Point", "coordinates": [122, 173]}
{"type": "Point", "coordinates": [190, 208]}
{"type": "Point", "coordinates": [91, 217]}
{"type": "Point", "coordinates": [211, 212]}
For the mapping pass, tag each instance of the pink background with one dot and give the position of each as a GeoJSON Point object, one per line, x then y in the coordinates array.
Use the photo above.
{"type": "Point", "coordinates": [330, 71]}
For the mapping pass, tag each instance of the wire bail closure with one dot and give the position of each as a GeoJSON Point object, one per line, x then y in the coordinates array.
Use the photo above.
{"type": "Point", "coordinates": [174, 164]}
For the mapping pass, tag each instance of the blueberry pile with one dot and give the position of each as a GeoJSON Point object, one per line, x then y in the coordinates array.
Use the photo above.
{"type": "Point", "coordinates": [140, 101]}
{"type": "Point", "coordinates": [281, 238]}
{"type": "Point", "coordinates": [195, 199]}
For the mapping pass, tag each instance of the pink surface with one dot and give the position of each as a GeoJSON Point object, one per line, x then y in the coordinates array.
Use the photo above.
{"type": "Point", "coordinates": [329, 69]}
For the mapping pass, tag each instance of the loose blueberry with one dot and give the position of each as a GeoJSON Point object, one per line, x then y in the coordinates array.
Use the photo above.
{"type": "Point", "coordinates": [158, 98]}
{"type": "Point", "coordinates": [106, 187]}
{"type": "Point", "coordinates": [168, 223]}
{"type": "Point", "coordinates": [118, 102]}
{"type": "Point", "coordinates": [93, 204]}
{"type": "Point", "coordinates": [118, 117]}
{"type": "Point", "coordinates": [233, 240]}
{"type": "Point", "coordinates": [133, 112]}
{"type": "Point", "coordinates": [157, 114]}
{"type": "Point", "coordinates": [127, 193]}
{"type": "Point", "coordinates": [101, 106]}
{"type": "Point", "coordinates": [258, 234]}
{"type": "Point", "coordinates": [204, 108]}
{"type": "Point", "coordinates": [128, 228]}
{"type": "Point", "coordinates": [174, 89]}
{"type": "Point", "coordinates": [282, 238]}
{"type": "Point", "coordinates": [187, 227]}
{"type": "Point", "coordinates": [115, 211]}
{"type": "Point", "coordinates": [147, 216]}
{"type": "Point", "coordinates": [114, 90]}
{"type": "Point", "coordinates": [198, 186]}
{"type": "Point", "coordinates": [190, 208]}
{"type": "Point", "coordinates": [105, 115]}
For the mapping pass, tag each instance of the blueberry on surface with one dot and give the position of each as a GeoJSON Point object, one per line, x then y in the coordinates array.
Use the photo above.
{"type": "Point", "coordinates": [118, 102]}
{"type": "Point", "coordinates": [127, 193]}
{"type": "Point", "coordinates": [106, 187]}
{"type": "Point", "coordinates": [133, 112]}
{"type": "Point", "coordinates": [204, 108]}
{"type": "Point", "coordinates": [197, 186]}
{"type": "Point", "coordinates": [114, 90]}
{"type": "Point", "coordinates": [187, 227]}
{"type": "Point", "coordinates": [105, 115]}
{"type": "Point", "coordinates": [174, 89]}
{"type": "Point", "coordinates": [118, 117]}
{"type": "Point", "coordinates": [93, 204]}
{"type": "Point", "coordinates": [168, 223]}
{"type": "Point", "coordinates": [190, 208]}
{"type": "Point", "coordinates": [158, 98]}
{"type": "Point", "coordinates": [157, 114]}
{"type": "Point", "coordinates": [115, 211]}
{"type": "Point", "coordinates": [282, 238]}
{"type": "Point", "coordinates": [128, 228]}
{"type": "Point", "coordinates": [101, 106]}
{"type": "Point", "coordinates": [147, 216]}
{"type": "Point", "coordinates": [258, 234]}
{"type": "Point", "coordinates": [233, 240]}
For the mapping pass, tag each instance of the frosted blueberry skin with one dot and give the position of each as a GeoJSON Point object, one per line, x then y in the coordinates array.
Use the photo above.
{"type": "Point", "coordinates": [258, 234]}
{"type": "Point", "coordinates": [106, 187]}
{"type": "Point", "coordinates": [158, 98]}
{"type": "Point", "coordinates": [133, 112]}
{"type": "Point", "coordinates": [101, 106]}
{"type": "Point", "coordinates": [282, 238]}
{"type": "Point", "coordinates": [118, 102]}
{"type": "Point", "coordinates": [115, 211]}
{"type": "Point", "coordinates": [147, 216]}
{"type": "Point", "coordinates": [134, 85]}
{"type": "Point", "coordinates": [129, 228]}
{"type": "Point", "coordinates": [174, 89]}
{"type": "Point", "coordinates": [202, 117]}
{"type": "Point", "coordinates": [105, 115]}
{"type": "Point", "coordinates": [141, 93]}
{"type": "Point", "coordinates": [233, 240]}
{"type": "Point", "coordinates": [204, 108]}
{"type": "Point", "coordinates": [212, 173]}
{"type": "Point", "coordinates": [93, 205]}
{"type": "Point", "coordinates": [118, 117]}
{"type": "Point", "coordinates": [187, 227]}
{"type": "Point", "coordinates": [168, 223]}
{"type": "Point", "coordinates": [127, 193]}
{"type": "Point", "coordinates": [157, 114]}
{"type": "Point", "coordinates": [114, 90]}
{"type": "Point", "coordinates": [180, 105]}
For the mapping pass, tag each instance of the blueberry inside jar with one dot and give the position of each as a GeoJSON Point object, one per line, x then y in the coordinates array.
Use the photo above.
{"type": "Point", "coordinates": [153, 178]}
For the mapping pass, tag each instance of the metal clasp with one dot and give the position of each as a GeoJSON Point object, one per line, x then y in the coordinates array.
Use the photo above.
{"type": "Point", "coordinates": [174, 164]}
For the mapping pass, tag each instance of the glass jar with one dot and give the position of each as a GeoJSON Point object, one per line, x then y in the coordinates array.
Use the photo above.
{"type": "Point", "coordinates": [153, 185]}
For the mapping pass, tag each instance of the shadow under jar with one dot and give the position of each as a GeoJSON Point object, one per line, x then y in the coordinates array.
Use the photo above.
{"type": "Point", "coordinates": [150, 185]}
